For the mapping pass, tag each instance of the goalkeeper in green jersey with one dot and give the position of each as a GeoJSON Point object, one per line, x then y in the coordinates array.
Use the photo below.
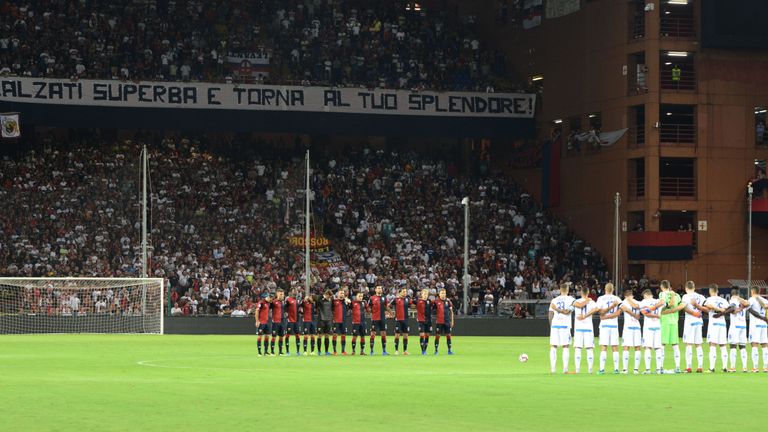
{"type": "Point", "coordinates": [669, 318]}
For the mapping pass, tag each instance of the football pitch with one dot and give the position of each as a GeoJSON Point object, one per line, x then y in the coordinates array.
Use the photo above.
{"type": "Point", "coordinates": [150, 382]}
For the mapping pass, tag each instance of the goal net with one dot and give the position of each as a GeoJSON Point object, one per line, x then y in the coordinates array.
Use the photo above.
{"type": "Point", "coordinates": [81, 305]}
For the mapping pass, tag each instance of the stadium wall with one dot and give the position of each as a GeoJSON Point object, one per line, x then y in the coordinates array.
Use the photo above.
{"type": "Point", "coordinates": [586, 59]}
{"type": "Point", "coordinates": [69, 116]}
{"type": "Point", "coordinates": [463, 327]}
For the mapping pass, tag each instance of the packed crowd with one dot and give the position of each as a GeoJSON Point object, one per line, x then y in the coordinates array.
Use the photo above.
{"type": "Point", "coordinates": [68, 301]}
{"type": "Point", "coordinates": [220, 226]}
{"type": "Point", "coordinates": [331, 42]}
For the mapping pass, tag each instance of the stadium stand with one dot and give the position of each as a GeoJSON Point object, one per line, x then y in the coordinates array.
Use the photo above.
{"type": "Point", "coordinates": [309, 42]}
{"type": "Point", "coordinates": [222, 224]}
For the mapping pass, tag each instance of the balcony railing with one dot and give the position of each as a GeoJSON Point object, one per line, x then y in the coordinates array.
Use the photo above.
{"type": "Point", "coordinates": [677, 26]}
{"type": "Point", "coordinates": [686, 81]}
{"type": "Point", "coordinates": [677, 187]}
{"type": "Point", "coordinates": [670, 133]}
{"type": "Point", "coordinates": [638, 26]}
{"type": "Point", "coordinates": [636, 136]}
{"type": "Point", "coordinates": [636, 188]}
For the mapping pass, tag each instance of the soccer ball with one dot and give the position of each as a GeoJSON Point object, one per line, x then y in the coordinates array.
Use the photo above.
{"type": "Point", "coordinates": [523, 358]}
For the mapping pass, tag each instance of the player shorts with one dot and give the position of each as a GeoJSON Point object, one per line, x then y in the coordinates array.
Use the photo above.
{"type": "Point", "coordinates": [401, 327]}
{"type": "Point", "coordinates": [716, 334]}
{"type": "Point", "coordinates": [324, 327]}
{"type": "Point", "coordinates": [444, 329]}
{"type": "Point", "coordinates": [379, 325]}
{"type": "Point", "coordinates": [670, 334]}
{"type": "Point", "coordinates": [583, 338]}
{"type": "Point", "coordinates": [425, 327]}
{"type": "Point", "coordinates": [278, 329]}
{"type": "Point", "coordinates": [609, 335]}
{"type": "Point", "coordinates": [264, 329]}
{"type": "Point", "coordinates": [559, 336]}
{"type": "Point", "coordinates": [652, 337]}
{"type": "Point", "coordinates": [758, 333]}
{"type": "Point", "coordinates": [737, 335]}
{"type": "Point", "coordinates": [358, 329]}
{"type": "Point", "coordinates": [632, 337]}
{"type": "Point", "coordinates": [692, 333]}
{"type": "Point", "coordinates": [292, 328]}
{"type": "Point", "coordinates": [309, 328]}
{"type": "Point", "coordinates": [339, 328]}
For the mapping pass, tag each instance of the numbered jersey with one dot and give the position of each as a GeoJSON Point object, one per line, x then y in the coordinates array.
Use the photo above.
{"type": "Point", "coordinates": [718, 302]}
{"type": "Point", "coordinates": [629, 320]}
{"type": "Point", "coordinates": [605, 301]}
{"type": "Point", "coordinates": [586, 323]}
{"type": "Point", "coordinates": [562, 302]}
{"type": "Point", "coordinates": [757, 304]}
{"type": "Point", "coordinates": [689, 299]}
{"type": "Point", "coordinates": [739, 318]}
{"type": "Point", "coordinates": [650, 321]}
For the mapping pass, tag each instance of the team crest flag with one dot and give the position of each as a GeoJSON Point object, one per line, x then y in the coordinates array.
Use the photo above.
{"type": "Point", "coordinates": [10, 125]}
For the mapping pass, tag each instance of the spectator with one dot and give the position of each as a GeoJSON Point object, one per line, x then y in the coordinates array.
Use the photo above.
{"type": "Point", "coordinates": [71, 217]}
{"type": "Point", "coordinates": [488, 302]}
{"type": "Point", "coordinates": [238, 312]}
{"type": "Point", "coordinates": [341, 43]}
{"type": "Point", "coordinates": [176, 310]}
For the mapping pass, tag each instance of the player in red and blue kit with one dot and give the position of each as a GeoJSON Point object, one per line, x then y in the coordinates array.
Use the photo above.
{"type": "Point", "coordinates": [444, 320]}
{"type": "Point", "coordinates": [278, 329]}
{"type": "Point", "coordinates": [262, 322]}
{"type": "Point", "coordinates": [292, 325]}
{"type": "Point", "coordinates": [340, 303]}
{"type": "Point", "coordinates": [358, 322]}
{"type": "Point", "coordinates": [402, 303]}
{"type": "Point", "coordinates": [310, 329]}
{"type": "Point", "coordinates": [378, 307]}
{"type": "Point", "coordinates": [424, 318]}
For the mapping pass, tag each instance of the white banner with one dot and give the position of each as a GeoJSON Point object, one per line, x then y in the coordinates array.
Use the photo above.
{"type": "Point", "coordinates": [254, 58]}
{"type": "Point", "coordinates": [9, 123]}
{"type": "Point", "coordinates": [108, 93]}
{"type": "Point", "coordinates": [605, 139]}
{"type": "Point", "coordinates": [533, 11]}
{"type": "Point", "coordinates": [558, 8]}
{"type": "Point", "coordinates": [250, 64]}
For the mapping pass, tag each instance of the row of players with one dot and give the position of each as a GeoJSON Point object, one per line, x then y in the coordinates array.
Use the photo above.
{"type": "Point", "coordinates": [325, 315]}
{"type": "Point", "coordinates": [659, 328]}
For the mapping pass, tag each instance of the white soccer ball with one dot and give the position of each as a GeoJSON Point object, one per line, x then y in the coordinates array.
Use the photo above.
{"type": "Point", "coordinates": [523, 358]}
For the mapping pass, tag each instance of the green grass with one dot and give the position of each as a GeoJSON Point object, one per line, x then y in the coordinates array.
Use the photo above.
{"type": "Point", "coordinates": [143, 383]}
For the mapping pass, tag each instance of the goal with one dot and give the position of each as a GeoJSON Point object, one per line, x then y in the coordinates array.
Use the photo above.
{"type": "Point", "coordinates": [81, 305]}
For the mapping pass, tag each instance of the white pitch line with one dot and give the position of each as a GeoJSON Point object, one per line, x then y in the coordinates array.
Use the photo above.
{"type": "Point", "coordinates": [152, 363]}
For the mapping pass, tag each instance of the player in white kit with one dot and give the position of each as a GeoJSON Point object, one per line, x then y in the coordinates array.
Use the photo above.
{"type": "Point", "coordinates": [632, 336]}
{"type": "Point", "coordinates": [716, 328]}
{"type": "Point", "coordinates": [737, 332]}
{"type": "Point", "coordinates": [583, 329]}
{"type": "Point", "coordinates": [560, 310]}
{"type": "Point", "coordinates": [758, 328]}
{"type": "Point", "coordinates": [609, 327]}
{"type": "Point", "coordinates": [651, 309]}
{"type": "Point", "coordinates": [693, 326]}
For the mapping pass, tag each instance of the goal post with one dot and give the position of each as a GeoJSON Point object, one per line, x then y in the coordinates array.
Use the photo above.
{"type": "Point", "coordinates": [81, 305]}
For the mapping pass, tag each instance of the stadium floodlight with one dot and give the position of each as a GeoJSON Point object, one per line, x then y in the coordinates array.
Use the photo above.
{"type": "Point", "coordinates": [465, 277]}
{"type": "Point", "coordinates": [81, 305]}
{"type": "Point", "coordinates": [750, 192]}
